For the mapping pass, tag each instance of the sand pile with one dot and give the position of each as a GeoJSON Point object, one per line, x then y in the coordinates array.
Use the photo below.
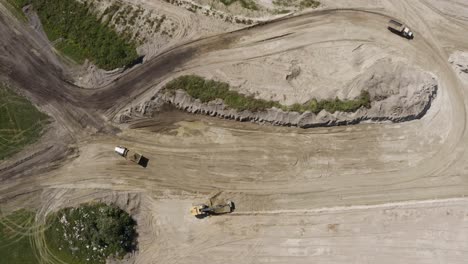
{"type": "Point", "coordinates": [398, 93]}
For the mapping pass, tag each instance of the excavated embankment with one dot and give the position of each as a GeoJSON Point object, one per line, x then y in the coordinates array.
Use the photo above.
{"type": "Point", "coordinates": [399, 94]}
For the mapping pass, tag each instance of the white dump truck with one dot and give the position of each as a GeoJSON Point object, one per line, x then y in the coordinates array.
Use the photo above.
{"type": "Point", "coordinates": [400, 29]}
{"type": "Point", "coordinates": [131, 155]}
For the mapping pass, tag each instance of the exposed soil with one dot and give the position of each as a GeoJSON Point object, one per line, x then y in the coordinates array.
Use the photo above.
{"type": "Point", "coordinates": [398, 93]}
{"type": "Point", "coordinates": [361, 193]}
{"type": "Point", "coordinates": [459, 61]}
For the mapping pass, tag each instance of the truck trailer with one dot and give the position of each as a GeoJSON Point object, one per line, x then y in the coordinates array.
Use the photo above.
{"type": "Point", "coordinates": [400, 29]}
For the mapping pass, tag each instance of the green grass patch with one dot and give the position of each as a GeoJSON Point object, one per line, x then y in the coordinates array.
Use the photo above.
{"type": "Point", "coordinates": [309, 4]}
{"type": "Point", "coordinates": [281, 11]}
{"type": "Point", "coordinates": [297, 3]}
{"type": "Point", "coordinates": [72, 50]}
{"type": "Point", "coordinates": [90, 233]}
{"type": "Point", "coordinates": [20, 122]}
{"type": "Point", "coordinates": [16, 8]}
{"type": "Point", "coordinates": [15, 238]}
{"type": "Point", "coordinates": [82, 33]}
{"type": "Point", "coordinates": [247, 4]}
{"type": "Point", "coordinates": [227, 2]}
{"type": "Point", "coordinates": [283, 2]}
{"type": "Point", "coordinates": [209, 90]}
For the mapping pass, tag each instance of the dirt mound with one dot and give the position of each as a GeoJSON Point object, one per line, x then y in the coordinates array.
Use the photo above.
{"type": "Point", "coordinates": [398, 93]}
{"type": "Point", "coordinates": [459, 61]}
{"type": "Point", "coordinates": [296, 75]}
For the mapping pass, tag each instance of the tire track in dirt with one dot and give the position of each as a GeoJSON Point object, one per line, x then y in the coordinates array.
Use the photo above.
{"type": "Point", "coordinates": [260, 164]}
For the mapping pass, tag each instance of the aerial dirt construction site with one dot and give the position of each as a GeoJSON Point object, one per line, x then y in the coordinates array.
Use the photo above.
{"type": "Point", "coordinates": [233, 131]}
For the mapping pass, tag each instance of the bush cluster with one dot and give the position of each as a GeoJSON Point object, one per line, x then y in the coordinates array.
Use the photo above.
{"type": "Point", "coordinates": [16, 8]}
{"type": "Point", "coordinates": [247, 4]}
{"type": "Point", "coordinates": [334, 105]}
{"type": "Point", "coordinates": [309, 4]}
{"type": "Point", "coordinates": [18, 3]}
{"type": "Point", "coordinates": [81, 35]}
{"type": "Point", "coordinates": [91, 232]}
{"type": "Point", "coordinates": [209, 90]}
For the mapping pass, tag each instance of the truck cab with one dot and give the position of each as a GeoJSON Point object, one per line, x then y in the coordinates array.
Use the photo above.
{"type": "Point", "coordinates": [407, 33]}
{"type": "Point", "coordinates": [122, 151]}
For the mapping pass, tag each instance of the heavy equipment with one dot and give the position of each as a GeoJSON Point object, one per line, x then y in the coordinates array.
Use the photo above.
{"type": "Point", "coordinates": [202, 210]}
{"type": "Point", "coordinates": [131, 155]}
{"type": "Point", "coordinates": [400, 29]}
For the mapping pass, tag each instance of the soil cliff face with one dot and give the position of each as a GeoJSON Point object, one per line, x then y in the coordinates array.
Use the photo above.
{"type": "Point", "coordinates": [398, 94]}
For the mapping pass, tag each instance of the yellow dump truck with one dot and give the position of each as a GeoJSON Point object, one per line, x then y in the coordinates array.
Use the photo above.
{"type": "Point", "coordinates": [131, 155]}
{"type": "Point", "coordinates": [202, 210]}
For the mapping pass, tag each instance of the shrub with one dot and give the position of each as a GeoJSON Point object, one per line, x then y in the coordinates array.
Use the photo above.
{"type": "Point", "coordinates": [91, 231]}
{"type": "Point", "coordinates": [309, 3]}
{"type": "Point", "coordinates": [17, 8]}
{"type": "Point", "coordinates": [247, 4]}
{"type": "Point", "coordinates": [83, 34]}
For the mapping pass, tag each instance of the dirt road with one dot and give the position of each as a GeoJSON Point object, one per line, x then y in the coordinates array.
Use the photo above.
{"type": "Point", "coordinates": [261, 168]}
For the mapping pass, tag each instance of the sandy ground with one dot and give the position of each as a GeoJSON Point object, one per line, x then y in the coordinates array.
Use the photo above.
{"type": "Point", "coordinates": [410, 233]}
{"type": "Point", "coordinates": [291, 186]}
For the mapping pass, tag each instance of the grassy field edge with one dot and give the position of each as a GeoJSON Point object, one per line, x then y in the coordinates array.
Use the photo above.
{"type": "Point", "coordinates": [21, 123]}
{"type": "Point", "coordinates": [16, 232]}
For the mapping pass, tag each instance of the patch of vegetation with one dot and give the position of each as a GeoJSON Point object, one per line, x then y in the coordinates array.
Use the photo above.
{"type": "Point", "coordinates": [227, 2]}
{"type": "Point", "coordinates": [283, 2]}
{"type": "Point", "coordinates": [209, 90]}
{"type": "Point", "coordinates": [18, 3]}
{"type": "Point", "coordinates": [309, 4]}
{"type": "Point", "coordinates": [83, 34]}
{"type": "Point", "coordinates": [111, 10]}
{"type": "Point", "coordinates": [247, 4]}
{"type": "Point", "coordinates": [281, 11]}
{"type": "Point", "coordinates": [301, 3]}
{"type": "Point", "coordinates": [15, 238]}
{"type": "Point", "coordinates": [72, 50]}
{"type": "Point", "coordinates": [16, 7]}
{"type": "Point", "coordinates": [334, 105]}
{"type": "Point", "coordinates": [20, 122]}
{"type": "Point", "coordinates": [159, 22]}
{"type": "Point", "coordinates": [90, 233]}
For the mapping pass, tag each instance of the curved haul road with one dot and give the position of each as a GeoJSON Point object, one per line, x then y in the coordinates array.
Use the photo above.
{"type": "Point", "coordinates": [277, 176]}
